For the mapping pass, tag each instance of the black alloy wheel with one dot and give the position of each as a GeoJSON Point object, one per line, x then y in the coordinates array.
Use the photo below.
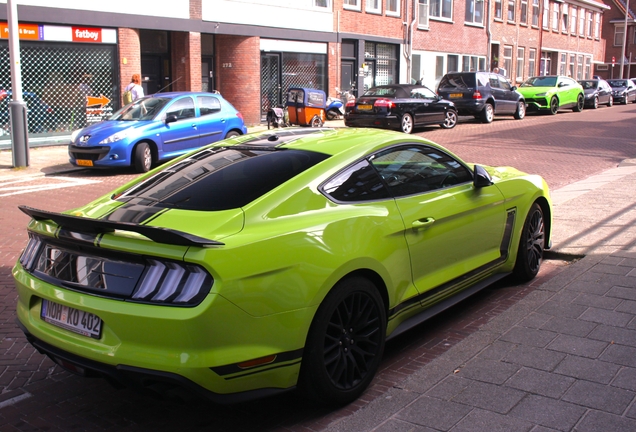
{"type": "Point", "coordinates": [580, 103]}
{"type": "Point", "coordinates": [531, 245]}
{"type": "Point", "coordinates": [595, 103]}
{"type": "Point", "coordinates": [554, 105]}
{"type": "Point", "coordinates": [345, 343]}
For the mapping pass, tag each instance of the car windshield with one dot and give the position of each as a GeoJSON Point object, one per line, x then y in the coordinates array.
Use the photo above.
{"type": "Point", "coordinates": [587, 85]}
{"type": "Point", "coordinates": [540, 82]}
{"type": "Point", "coordinates": [141, 109]}
{"type": "Point", "coordinates": [380, 91]}
{"type": "Point", "coordinates": [222, 178]}
{"type": "Point", "coordinates": [617, 83]}
{"type": "Point", "coordinates": [459, 81]}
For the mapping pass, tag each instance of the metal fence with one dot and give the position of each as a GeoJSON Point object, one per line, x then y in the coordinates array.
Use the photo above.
{"type": "Point", "coordinates": [65, 86]}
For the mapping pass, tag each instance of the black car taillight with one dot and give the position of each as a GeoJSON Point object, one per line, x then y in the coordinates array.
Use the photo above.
{"type": "Point", "coordinates": [384, 103]}
{"type": "Point", "coordinates": [477, 95]}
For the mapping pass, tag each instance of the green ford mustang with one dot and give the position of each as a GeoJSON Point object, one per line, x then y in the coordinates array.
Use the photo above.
{"type": "Point", "coordinates": [273, 261]}
{"type": "Point", "coordinates": [551, 93]}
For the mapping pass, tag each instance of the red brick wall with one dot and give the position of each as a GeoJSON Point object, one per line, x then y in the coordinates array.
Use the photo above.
{"type": "Point", "coordinates": [129, 59]}
{"type": "Point", "coordinates": [238, 71]}
{"type": "Point", "coordinates": [333, 61]}
{"type": "Point", "coordinates": [365, 23]}
{"type": "Point", "coordinates": [186, 61]}
{"type": "Point", "coordinates": [195, 9]}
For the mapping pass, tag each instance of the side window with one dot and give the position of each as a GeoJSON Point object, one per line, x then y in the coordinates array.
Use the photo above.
{"type": "Point", "coordinates": [359, 182]}
{"type": "Point", "coordinates": [183, 108]}
{"type": "Point", "coordinates": [416, 170]}
{"type": "Point", "coordinates": [422, 93]}
{"type": "Point", "coordinates": [208, 105]}
{"type": "Point", "coordinates": [494, 81]}
{"type": "Point", "coordinates": [504, 84]}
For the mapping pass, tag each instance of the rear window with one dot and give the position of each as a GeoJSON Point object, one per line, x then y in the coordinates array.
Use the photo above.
{"type": "Point", "coordinates": [221, 179]}
{"type": "Point", "coordinates": [617, 83]}
{"type": "Point", "coordinates": [458, 81]}
{"type": "Point", "coordinates": [380, 91]}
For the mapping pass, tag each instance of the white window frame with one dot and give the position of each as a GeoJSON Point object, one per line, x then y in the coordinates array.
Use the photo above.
{"type": "Point", "coordinates": [588, 67]}
{"type": "Point", "coordinates": [563, 64]}
{"type": "Point", "coordinates": [564, 18]}
{"type": "Point", "coordinates": [472, 20]}
{"type": "Point", "coordinates": [573, 20]}
{"type": "Point", "coordinates": [581, 22]}
{"type": "Point", "coordinates": [555, 17]}
{"type": "Point", "coordinates": [511, 11]}
{"type": "Point", "coordinates": [422, 14]}
{"type": "Point", "coordinates": [373, 6]}
{"type": "Point", "coordinates": [535, 13]}
{"type": "Point", "coordinates": [579, 68]}
{"type": "Point", "coordinates": [521, 57]}
{"type": "Point", "coordinates": [546, 14]}
{"type": "Point", "coordinates": [532, 61]}
{"type": "Point", "coordinates": [507, 59]}
{"type": "Point", "coordinates": [597, 25]}
{"type": "Point", "coordinates": [572, 65]}
{"type": "Point", "coordinates": [390, 12]}
{"type": "Point", "coordinates": [326, 2]}
{"type": "Point", "coordinates": [352, 4]}
{"type": "Point", "coordinates": [618, 34]}
{"type": "Point", "coordinates": [523, 12]}
{"type": "Point", "coordinates": [441, 11]}
{"type": "Point", "coordinates": [590, 24]}
{"type": "Point", "coordinates": [498, 10]}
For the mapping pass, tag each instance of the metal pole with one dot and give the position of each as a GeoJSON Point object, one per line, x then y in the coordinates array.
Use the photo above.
{"type": "Point", "coordinates": [624, 41]}
{"type": "Point", "coordinates": [17, 107]}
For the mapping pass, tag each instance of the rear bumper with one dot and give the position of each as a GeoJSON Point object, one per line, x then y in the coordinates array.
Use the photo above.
{"type": "Point", "coordinates": [383, 122]}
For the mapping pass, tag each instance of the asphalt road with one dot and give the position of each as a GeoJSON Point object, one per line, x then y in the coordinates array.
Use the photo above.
{"type": "Point", "coordinates": [37, 395]}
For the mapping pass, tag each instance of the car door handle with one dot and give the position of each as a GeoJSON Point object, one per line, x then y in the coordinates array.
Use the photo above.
{"type": "Point", "coordinates": [194, 125]}
{"type": "Point", "coordinates": [423, 223]}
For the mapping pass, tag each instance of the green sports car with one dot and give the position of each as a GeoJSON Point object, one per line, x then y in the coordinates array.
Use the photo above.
{"type": "Point", "coordinates": [551, 93]}
{"type": "Point", "coordinates": [273, 261]}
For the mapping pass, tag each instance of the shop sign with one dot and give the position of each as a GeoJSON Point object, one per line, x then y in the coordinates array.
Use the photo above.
{"type": "Point", "coordinates": [26, 31]}
{"type": "Point", "coordinates": [61, 33]}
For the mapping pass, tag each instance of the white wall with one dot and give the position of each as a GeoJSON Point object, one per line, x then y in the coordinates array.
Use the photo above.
{"type": "Point", "coordinates": [290, 14]}
{"type": "Point", "coordinates": [167, 9]}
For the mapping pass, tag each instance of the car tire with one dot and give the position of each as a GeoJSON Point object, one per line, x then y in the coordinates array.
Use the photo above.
{"type": "Point", "coordinates": [531, 245]}
{"type": "Point", "coordinates": [580, 103]}
{"type": "Point", "coordinates": [595, 103]}
{"type": "Point", "coordinates": [316, 121]}
{"type": "Point", "coordinates": [232, 134]}
{"type": "Point", "coordinates": [143, 157]}
{"type": "Point", "coordinates": [406, 123]}
{"type": "Point", "coordinates": [611, 101]}
{"type": "Point", "coordinates": [520, 113]}
{"type": "Point", "coordinates": [450, 119]}
{"type": "Point", "coordinates": [554, 105]}
{"type": "Point", "coordinates": [344, 344]}
{"type": "Point", "coordinates": [487, 114]}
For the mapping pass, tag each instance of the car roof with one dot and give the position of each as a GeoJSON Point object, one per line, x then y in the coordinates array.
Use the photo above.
{"type": "Point", "coordinates": [332, 141]}
{"type": "Point", "coordinates": [172, 95]}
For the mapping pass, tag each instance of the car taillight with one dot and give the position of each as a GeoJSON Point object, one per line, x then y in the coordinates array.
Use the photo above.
{"type": "Point", "coordinates": [384, 103]}
{"type": "Point", "coordinates": [351, 103]}
{"type": "Point", "coordinates": [239, 115]}
{"type": "Point", "coordinates": [477, 95]}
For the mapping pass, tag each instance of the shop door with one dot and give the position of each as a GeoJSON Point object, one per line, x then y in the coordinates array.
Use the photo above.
{"type": "Point", "coordinates": [155, 74]}
{"type": "Point", "coordinates": [207, 75]}
{"type": "Point", "coordinates": [271, 82]}
{"type": "Point", "coordinates": [347, 78]}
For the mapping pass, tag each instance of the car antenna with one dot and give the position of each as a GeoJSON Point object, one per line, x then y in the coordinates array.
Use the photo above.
{"type": "Point", "coordinates": [169, 85]}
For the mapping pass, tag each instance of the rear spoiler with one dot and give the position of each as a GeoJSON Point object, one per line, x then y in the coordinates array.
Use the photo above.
{"type": "Point", "coordinates": [86, 225]}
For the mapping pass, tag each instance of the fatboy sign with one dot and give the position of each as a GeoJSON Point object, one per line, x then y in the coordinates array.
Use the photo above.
{"type": "Point", "coordinates": [81, 34]}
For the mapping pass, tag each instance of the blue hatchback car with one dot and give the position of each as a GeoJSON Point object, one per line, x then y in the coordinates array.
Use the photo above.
{"type": "Point", "coordinates": [155, 128]}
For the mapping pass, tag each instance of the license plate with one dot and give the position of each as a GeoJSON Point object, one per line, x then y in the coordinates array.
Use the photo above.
{"type": "Point", "coordinates": [83, 162]}
{"type": "Point", "coordinates": [456, 95]}
{"type": "Point", "coordinates": [75, 320]}
{"type": "Point", "coordinates": [365, 107]}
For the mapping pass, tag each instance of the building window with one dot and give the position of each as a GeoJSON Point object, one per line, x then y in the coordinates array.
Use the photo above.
{"type": "Point", "coordinates": [511, 10]}
{"type": "Point", "coordinates": [498, 13]}
{"type": "Point", "coordinates": [597, 25]}
{"type": "Point", "coordinates": [473, 63]}
{"type": "Point", "coordinates": [422, 15]}
{"type": "Point", "coordinates": [588, 67]}
{"type": "Point", "coordinates": [393, 7]}
{"type": "Point", "coordinates": [563, 64]}
{"type": "Point", "coordinates": [439, 68]}
{"type": "Point", "coordinates": [590, 24]}
{"type": "Point", "coordinates": [555, 16]}
{"type": "Point", "coordinates": [507, 63]}
{"type": "Point", "coordinates": [532, 55]}
{"type": "Point", "coordinates": [579, 68]}
{"type": "Point", "coordinates": [521, 53]}
{"type": "Point", "coordinates": [440, 9]}
{"type": "Point", "coordinates": [535, 13]}
{"type": "Point", "coordinates": [352, 4]}
{"type": "Point", "coordinates": [572, 65]}
{"type": "Point", "coordinates": [546, 11]}
{"type": "Point", "coordinates": [475, 11]}
{"type": "Point", "coordinates": [618, 35]}
{"type": "Point", "coordinates": [322, 3]}
{"type": "Point", "coordinates": [573, 21]}
{"type": "Point", "coordinates": [373, 6]}
{"type": "Point", "coordinates": [523, 16]}
{"type": "Point", "coordinates": [564, 18]}
{"type": "Point", "coordinates": [581, 22]}
{"type": "Point", "coordinates": [452, 63]}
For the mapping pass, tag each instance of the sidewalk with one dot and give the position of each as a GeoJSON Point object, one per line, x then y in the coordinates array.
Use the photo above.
{"type": "Point", "coordinates": [563, 358]}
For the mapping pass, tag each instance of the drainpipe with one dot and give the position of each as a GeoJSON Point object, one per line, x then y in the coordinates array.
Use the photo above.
{"type": "Point", "coordinates": [541, 7]}
{"type": "Point", "coordinates": [407, 42]}
{"type": "Point", "coordinates": [489, 34]}
{"type": "Point", "coordinates": [624, 41]}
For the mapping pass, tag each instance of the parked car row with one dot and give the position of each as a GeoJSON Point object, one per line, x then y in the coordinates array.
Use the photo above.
{"type": "Point", "coordinates": [483, 95]}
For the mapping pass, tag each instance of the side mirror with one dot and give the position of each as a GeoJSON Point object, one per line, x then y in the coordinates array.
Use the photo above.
{"type": "Point", "coordinates": [171, 118]}
{"type": "Point", "coordinates": [513, 88]}
{"type": "Point", "coordinates": [482, 178]}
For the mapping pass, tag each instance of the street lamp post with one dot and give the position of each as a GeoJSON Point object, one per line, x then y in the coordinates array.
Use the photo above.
{"type": "Point", "coordinates": [624, 40]}
{"type": "Point", "coordinates": [17, 107]}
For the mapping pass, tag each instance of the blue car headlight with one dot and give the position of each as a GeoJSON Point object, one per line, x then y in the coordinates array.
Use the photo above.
{"type": "Point", "coordinates": [118, 136]}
